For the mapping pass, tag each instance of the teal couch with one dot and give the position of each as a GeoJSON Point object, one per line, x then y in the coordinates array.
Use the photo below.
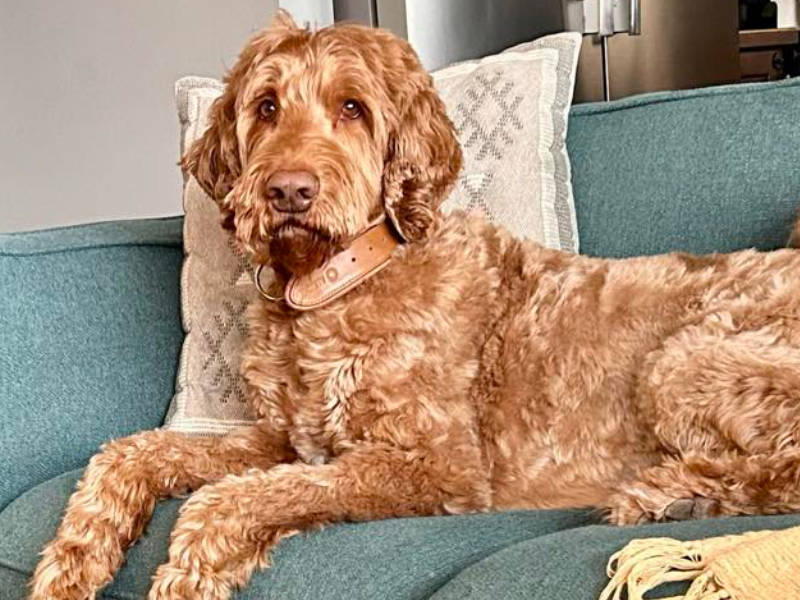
{"type": "Point", "coordinates": [90, 334]}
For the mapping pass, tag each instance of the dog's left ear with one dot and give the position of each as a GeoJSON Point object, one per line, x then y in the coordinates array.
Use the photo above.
{"type": "Point", "coordinates": [423, 159]}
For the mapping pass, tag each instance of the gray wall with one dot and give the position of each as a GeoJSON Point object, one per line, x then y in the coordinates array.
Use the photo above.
{"type": "Point", "coordinates": [88, 129]}
{"type": "Point", "coordinates": [788, 13]}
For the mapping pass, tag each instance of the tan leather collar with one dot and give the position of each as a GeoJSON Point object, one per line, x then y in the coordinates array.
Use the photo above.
{"type": "Point", "coordinates": [366, 255]}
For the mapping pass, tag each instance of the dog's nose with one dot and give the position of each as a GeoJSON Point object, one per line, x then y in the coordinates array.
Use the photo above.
{"type": "Point", "coordinates": [292, 191]}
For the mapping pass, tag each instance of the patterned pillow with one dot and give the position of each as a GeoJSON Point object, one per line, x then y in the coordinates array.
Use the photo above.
{"type": "Point", "coordinates": [510, 111]}
{"type": "Point", "coordinates": [215, 290]}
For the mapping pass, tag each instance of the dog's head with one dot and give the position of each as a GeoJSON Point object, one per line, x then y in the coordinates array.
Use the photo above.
{"type": "Point", "coordinates": [319, 132]}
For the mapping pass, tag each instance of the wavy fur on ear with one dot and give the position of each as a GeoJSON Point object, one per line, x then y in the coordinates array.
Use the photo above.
{"type": "Point", "coordinates": [213, 159]}
{"type": "Point", "coordinates": [423, 157]}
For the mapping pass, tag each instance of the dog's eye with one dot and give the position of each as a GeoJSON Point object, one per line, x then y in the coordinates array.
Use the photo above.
{"type": "Point", "coordinates": [351, 109]}
{"type": "Point", "coordinates": [268, 109]}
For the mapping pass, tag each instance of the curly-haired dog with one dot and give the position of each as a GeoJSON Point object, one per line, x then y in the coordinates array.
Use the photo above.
{"type": "Point", "coordinates": [473, 372]}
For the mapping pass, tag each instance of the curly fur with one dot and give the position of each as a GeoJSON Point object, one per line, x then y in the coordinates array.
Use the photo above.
{"type": "Point", "coordinates": [476, 372]}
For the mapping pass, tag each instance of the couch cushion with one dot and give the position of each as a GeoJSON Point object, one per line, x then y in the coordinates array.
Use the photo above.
{"type": "Point", "coordinates": [572, 564]}
{"type": "Point", "coordinates": [705, 170]}
{"type": "Point", "coordinates": [89, 338]}
{"type": "Point", "coordinates": [520, 554]}
{"type": "Point", "coordinates": [510, 114]}
{"type": "Point", "coordinates": [392, 559]}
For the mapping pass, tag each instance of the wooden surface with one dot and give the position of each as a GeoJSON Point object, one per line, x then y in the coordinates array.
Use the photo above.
{"type": "Point", "coordinates": [767, 54]}
{"type": "Point", "coordinates": [759, 38]}
{"type": "Point", "coordinates": [761, 65]}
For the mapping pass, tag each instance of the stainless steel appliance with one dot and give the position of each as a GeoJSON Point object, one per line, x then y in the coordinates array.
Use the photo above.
{"type": "Point", "coordinates": [446, 31]}
{"type": "Point", "coordinates": [683, 43]}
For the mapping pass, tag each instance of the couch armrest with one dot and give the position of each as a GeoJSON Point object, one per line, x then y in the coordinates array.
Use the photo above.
{"type": "Point", "coordinates": [90, 333]}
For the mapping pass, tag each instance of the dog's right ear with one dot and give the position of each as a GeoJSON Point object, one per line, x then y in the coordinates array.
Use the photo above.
{"type": "Point", "coordinates": [213, 159]}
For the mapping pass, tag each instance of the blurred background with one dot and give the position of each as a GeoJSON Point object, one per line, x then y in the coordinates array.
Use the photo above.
{"type": "Point", "coordinates": [88, 129]}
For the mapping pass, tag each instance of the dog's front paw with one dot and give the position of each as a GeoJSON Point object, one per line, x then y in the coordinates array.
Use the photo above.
{"type": "Point", "coordinates": [57, 586]}
{"type": "Point", "coordinates": [175, 583]}
{"type": "Point", "coordinates": [67, 572]}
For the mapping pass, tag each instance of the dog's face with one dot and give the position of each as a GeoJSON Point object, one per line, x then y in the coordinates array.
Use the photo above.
{"type": "Point", "coordinates": [319, 133]}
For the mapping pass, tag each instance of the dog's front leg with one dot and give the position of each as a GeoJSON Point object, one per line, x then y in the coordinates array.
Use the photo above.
{"type": "Point", "coordinates": [117, 494]}
{"type": "Point", "coordinates": [226, 530]}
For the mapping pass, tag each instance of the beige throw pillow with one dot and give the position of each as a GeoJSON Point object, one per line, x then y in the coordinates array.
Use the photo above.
{"type": "Point", "coordinates": [510, 111]}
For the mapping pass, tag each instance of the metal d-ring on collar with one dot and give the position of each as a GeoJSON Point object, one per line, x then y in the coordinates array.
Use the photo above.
{"type": "Point", "coordinates": [260, 288]}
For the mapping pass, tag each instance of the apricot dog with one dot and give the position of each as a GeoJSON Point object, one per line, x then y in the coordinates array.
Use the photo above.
{"type": "Point", "coordinates": [475, 372]}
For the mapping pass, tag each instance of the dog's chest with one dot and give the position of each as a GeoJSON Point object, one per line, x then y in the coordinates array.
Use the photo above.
{"type": "Point", "coordinates": [322, 399]}
{"type": "Point", "coordinates": [317, 430]}
{"type": "Point", "coordinates": [311, 376]}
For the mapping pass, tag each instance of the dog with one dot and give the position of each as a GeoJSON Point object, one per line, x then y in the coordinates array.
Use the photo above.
{"type": "Point", "coordinates": [458, 369]}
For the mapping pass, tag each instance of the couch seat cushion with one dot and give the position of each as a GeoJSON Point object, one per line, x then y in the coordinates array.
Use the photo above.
{"type": "Point", "coordinates": [572, 564]}
{"type": "Point", "coordinates": [535, 555]}
{"type": "Point", "coordinates": [392, 559]}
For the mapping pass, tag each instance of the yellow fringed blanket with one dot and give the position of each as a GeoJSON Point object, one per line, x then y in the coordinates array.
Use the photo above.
{"type": "Point", "coordinates": [759, 565]}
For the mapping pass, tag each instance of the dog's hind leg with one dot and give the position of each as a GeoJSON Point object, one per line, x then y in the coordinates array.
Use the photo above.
{"type": "Point", "coordinates": [725, 405]}
{"type": "Point", "coordinates": [117, 495]}
{"type": "Point", "coordinates": [695, 487]}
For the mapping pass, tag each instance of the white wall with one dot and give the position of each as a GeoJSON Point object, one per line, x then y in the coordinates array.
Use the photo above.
{"type": "Point", "coordinates": [788, 13]}
{"type": "Point", "coordinates": [315, 13]}
{"type": "Point", "coordinates": [88, 129]}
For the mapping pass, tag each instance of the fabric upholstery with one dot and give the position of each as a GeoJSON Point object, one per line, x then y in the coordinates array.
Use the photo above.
{"type": "Point", "coordinates": [530, 555]}
{"type": "Point", "coordinates": [709, 170]}
{"type": "Point", "coordinates": [12, 584]}
{"type": "Point", "coordinates": [572, 564]}
{"type": "Point", "coordinates": [398, 558]}
{"type": "Point", "coordinates": [216, 288]}
{"type": "Point", "coordinates": [89, 339]}
{"type": "Point", "coordinates": [510, 111]}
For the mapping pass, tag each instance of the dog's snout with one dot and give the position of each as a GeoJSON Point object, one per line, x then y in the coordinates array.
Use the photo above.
{"type": "Point", "coordinates": [292, 191]}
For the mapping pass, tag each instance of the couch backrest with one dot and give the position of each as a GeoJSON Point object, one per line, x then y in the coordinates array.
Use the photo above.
{"type": "Point", "coordinates": [90, 333]}
{"type": "Point", "coordinates": [715, 169]}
